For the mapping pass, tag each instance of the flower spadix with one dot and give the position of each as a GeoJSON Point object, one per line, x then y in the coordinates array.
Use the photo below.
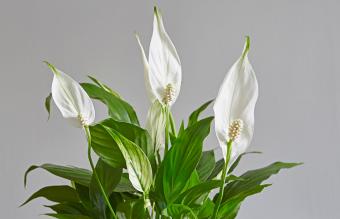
{"type": "Point", "coordinates": [235, 104]}
{"type": "Point", "coordinates": [162, 71]}
{"type": "Point", "coordinates": [71, 99]}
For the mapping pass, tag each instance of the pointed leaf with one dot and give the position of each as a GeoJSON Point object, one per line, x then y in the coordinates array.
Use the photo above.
{"type": "Point", "coordinates": [217, 169]}
{"type": "Point", "coordinates": [180, 210]}
{"type": "Point", "coordinates": [119, 109]}
{"type": "Point", "coordinates": [193, 118]}
{"type": "Point", "coordinates": [105, 87]}
{"type": "Point", "coordinates": [191, 195]}
{"type": "Point", "coordinates": [181, 160]}
{"type": "Point", "coordinates": [75, 174]}
{"type": "Point", "coordinates": [206, 165]}
{"type": "Point", "coordinates": [56, 194]}
{"type": "Point", "coordinates": [138, 165]}
{"type": "Point", "coordinates": [68, 208]}
{"type": "Point", "coordinates": [229, 208]}
{"type": "Point", "coordinates": [103, 144]}
{"type": "Point", "coordinates": [254, 178]}
{"type": "Point", "coordinates": [236, 162]}
{"type": "Point", "coordinates": [106, 147]}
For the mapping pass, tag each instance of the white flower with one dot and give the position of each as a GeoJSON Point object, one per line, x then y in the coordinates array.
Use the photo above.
{"type": "Point", "coordinates": [163, 73]}
{"type": "Point", "coordinates": [71, 99]}
{"type": "Point", "coordinates": [234, 106]}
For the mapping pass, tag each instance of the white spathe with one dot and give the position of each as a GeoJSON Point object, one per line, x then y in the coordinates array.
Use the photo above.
{"type": "Point", "coordinates": [71, 99]}
{"type": "Point", "coordinates": [163, 68]}
{"type": "Point", "coordinates": [236, 101]}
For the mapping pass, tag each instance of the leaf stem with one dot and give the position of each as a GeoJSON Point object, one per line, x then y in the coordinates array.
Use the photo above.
{"type": "Point", "coordinates": [88, 135]}
{"type": "Point", "coordinates": [223, 179]}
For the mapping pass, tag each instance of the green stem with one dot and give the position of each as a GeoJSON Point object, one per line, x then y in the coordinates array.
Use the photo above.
{"type": "Point", "coordinates": [147, 204]}
{"type": "Point", "coordinates": [152, 210]}
{"type": "Point", "coordinates": [88, 135]}
{"type": "Point", "coordinates": [223, 179]}
{"type": "Point", "coordinates": [166, 147]}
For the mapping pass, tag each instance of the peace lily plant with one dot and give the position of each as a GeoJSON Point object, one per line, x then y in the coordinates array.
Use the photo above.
{"type": "Point", "coordinates": [157, 171]}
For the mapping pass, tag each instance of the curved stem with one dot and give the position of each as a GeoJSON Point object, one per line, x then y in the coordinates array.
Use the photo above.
{"type": "Point", "coordinates": [223, 179]}
{"type": "Point", "coordinates": [87, 131]}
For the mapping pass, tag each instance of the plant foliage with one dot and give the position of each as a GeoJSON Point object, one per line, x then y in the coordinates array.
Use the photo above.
{"type": "Point", "coordinates": [179, 185]}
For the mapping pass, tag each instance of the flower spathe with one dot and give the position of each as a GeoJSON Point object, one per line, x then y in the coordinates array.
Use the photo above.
{"type": "Point", "coordinates": [162, 71]}
{"type": "Point", "coordinates": [71, 99]}
{"type": "Point", "coordinates": [235, 105]}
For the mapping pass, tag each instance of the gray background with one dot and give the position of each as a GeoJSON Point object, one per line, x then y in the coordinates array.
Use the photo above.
{"type": "Point", "coordinates": [294, 52]}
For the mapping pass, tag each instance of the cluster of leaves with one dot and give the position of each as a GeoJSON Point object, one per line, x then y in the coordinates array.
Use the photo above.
{"type": "Point", "coordinates": [139, 183]}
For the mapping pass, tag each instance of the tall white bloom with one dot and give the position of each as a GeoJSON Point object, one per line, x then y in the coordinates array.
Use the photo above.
{"type": "Point", "coordinates": [162, 71]}
{"type": "Point", "coordinates": [235, 104]}
{"type": "Point", "coordinates": [71, 99]}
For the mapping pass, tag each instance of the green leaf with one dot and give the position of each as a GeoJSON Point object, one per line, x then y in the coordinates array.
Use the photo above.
{"type": "Point", "coordinates": [84, 196]}
{"type": "Point", "coordinates": [125, 185]}
{"type": "Point", "coordinates": [131, 209]}
{"type": "Point", "coordinates": [190, 196]}
{"type": "Point", "coordinates": [238, 159]}
{"type": "Point", "coordinates": [207, 209]}
{"type": "Point", "coordinates": [119, 109]}
{"type": "Point", "coordinates": [108, 150]}
{"type": "Point", "coordinates": [193, 118]}
{"type": "Point", "coordinates": [217, 169]}
{"type": "Point", "coordinates": [68, 208]}
{"type": "Point", "coordinates": [103, 86]}
{"type": "Point", "coordinates": [75, 174]}
{"type": "Point", "coordinates": [68, 216]}
{"type": "Point", "coordinates": [229, 208]}
{"type": "Point", "coordinates": [105, 147]}
{"type": "Point", "coordinates": [138, 165]}
{"type": "Point", "coordinates": [177, 211]}
{"type": "Point", "coordinates": [181, 128]}
{"type": "Point", "coordinates": [254, 178]}
{"type": "Point", "coordinates": [48, 105]}
{"type": "Point", "coordinates": [135, 134]}
{"type": "Point", "coordinates": [181, 160]}
{"type": "Point", "coordinates": [206, 165]}
{"type": "Point", "coordinates": [109, 177]}
{"type": "Point", "coordinates": [56, 194]}
{"type": "Point", "coordinates": [193, 180]}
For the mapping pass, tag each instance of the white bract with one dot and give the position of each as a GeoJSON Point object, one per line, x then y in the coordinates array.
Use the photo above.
{"type": "Point", "coordinates": [71, 99]}
{"type": "Point", "coordinates": [163, 73]}
{"type": "Point", "coordinates": [235, 105]}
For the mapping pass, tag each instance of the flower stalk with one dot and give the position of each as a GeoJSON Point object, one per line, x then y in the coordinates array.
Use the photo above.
{"type": "Point", "coordinates": [167, 131]}
{"type": "Point", "coordinates": [223, 179]}
{"type": "Point", "coordinates": [88, 136]}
